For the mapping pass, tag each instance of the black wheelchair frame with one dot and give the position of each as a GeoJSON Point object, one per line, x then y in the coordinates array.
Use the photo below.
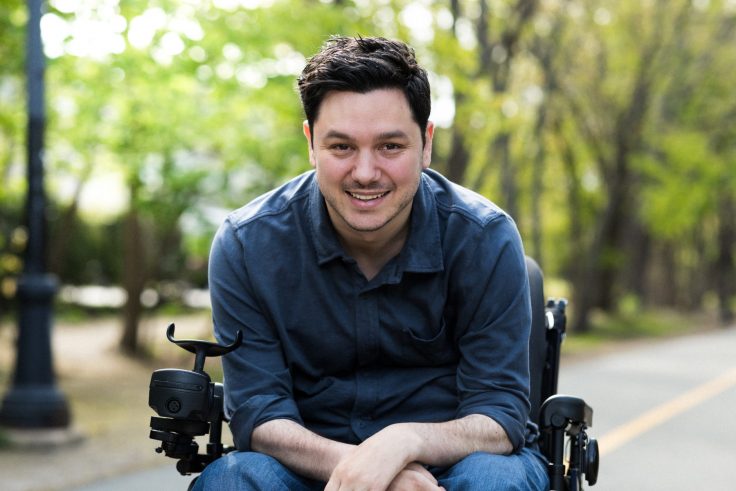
{"type": "Point", "coordinates": [189, 404]}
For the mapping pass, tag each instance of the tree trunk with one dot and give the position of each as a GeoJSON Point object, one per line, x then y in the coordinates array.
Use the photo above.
{"type": "Point", "coordinates": [602, 263]}
{"type": "Point", "coordinates": [495, 60]}
{"type": "Point", "coordinates": [577, 272]}
{"type": "Point", "coordinates": [457, 161]}
{"type": "Point", "coordinates": [537, 187]}
{"type": "Point", "coordinates": [134, 278]}
{"type": "Point", "coordinates": [637, 244]}
{"type": "Point", "coordinates": [725, 268]}
{"type": "Point", "coordinates": [509, 188]}
{"type": "Point", "coordinates": [696, 283]}
{"type": "Point", "coordinates": [67, 221]}
{"type": "Point", "coordinates": [536, 225]}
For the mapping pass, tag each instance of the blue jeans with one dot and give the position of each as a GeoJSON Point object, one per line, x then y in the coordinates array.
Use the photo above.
{"type": "Point", "coordinates": [251, 471]}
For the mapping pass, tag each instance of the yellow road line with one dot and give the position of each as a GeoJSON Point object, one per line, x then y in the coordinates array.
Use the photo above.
{"type": "Point", "coordinates": [654, 417]}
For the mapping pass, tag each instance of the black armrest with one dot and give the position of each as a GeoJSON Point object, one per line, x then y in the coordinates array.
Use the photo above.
{"type": "Point", "coordinates": [560, 410]}
{"type": "Point", "coordinates": [560, 417]}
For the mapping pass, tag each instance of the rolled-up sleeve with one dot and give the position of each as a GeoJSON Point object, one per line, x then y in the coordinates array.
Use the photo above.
{"type": "Point", "coordinates": [492, 285]}
{"type": "Point", "coordinates": [258, 385]}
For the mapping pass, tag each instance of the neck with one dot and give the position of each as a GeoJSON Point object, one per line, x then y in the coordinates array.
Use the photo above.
{"type": "Point", "coordinates": [372, 251]}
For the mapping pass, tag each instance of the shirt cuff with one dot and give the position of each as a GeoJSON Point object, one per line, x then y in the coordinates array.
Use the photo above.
{"type": "Point", "coordinates": [514, 430]}
{"type": "Point", "coordinates": [258, 410]}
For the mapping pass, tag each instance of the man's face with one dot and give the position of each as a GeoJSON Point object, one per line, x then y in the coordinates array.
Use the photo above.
{"type": "Point", "coordinates": [367, 150]}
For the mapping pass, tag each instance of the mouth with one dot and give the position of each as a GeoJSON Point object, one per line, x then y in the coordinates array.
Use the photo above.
{"type": "Point", "coordinates": [367, 197]}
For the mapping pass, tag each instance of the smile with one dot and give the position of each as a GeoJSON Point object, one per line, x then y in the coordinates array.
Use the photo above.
{"type": "Point", "coordinates": [367, 197]}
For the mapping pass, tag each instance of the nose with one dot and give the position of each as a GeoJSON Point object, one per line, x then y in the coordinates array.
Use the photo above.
{"type": "Point", "coordinates": [365, 170]}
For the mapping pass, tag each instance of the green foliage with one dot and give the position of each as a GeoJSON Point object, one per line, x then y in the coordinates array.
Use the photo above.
{"type": "Point", "coordinates": [680, 184]}
{"type": "Point", "coordinates": [12, 21]}
{"type": "Point", "coordinates": [179, 111]}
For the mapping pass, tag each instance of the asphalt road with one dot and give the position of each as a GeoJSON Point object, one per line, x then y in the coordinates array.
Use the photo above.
{"type": "Point", "coordinates": [663, 415]}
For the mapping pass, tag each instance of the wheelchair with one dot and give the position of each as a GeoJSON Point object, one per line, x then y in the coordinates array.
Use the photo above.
{"type": "Point", "coordinates": [190, 405]}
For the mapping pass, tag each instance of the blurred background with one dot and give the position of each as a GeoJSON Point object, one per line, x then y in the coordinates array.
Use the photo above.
{"type": "Point", "coordinates": [605, 127]}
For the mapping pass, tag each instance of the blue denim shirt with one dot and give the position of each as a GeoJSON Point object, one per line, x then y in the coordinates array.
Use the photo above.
{"type": "Point", "coordinates": [440, 333]}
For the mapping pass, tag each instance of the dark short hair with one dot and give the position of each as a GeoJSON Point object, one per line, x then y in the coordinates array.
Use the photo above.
{"type": "Point", "coordinates": [362, 65]}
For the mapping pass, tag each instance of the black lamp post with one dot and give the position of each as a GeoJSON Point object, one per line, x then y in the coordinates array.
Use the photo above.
{"type": "Point", "coordinates": [34, 401]}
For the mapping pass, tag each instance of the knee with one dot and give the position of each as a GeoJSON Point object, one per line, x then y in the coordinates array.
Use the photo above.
{"type": "Point", "coordinates": [524, 471]}
{"type": "Point", "coordinates": [251, 471]}
{"type": "Point", "coordinates": [237, 471]}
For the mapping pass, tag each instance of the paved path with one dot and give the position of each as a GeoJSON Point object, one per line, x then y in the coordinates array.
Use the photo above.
{"type": "Point", "coordinates": [159, 479]}
{"type": "Point", "coordinates": [663, 413]}
{"type": "Point", "coordinates": [109, 400]}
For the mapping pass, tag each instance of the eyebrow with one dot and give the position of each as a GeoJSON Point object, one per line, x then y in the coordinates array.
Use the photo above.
{"type": "Point", "coordinates": [386, 135]}
{"type": "Point", "coordinates": [337, 134]}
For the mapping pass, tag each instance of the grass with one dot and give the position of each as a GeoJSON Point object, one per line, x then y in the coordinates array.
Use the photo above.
{"type": "Point", "coordinates": [632, 324]}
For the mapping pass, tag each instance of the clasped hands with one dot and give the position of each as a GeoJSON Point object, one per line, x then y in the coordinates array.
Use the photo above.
{"type": "Point", "coordinates": [384, 462]}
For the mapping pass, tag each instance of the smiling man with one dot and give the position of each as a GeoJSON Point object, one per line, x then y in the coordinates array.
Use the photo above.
{"type": "Point", "coordinates": [385, 310]}
{"type": "Point", "coordinates": [369, 155]}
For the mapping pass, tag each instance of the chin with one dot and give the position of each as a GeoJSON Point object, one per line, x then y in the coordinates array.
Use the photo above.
{"type": "Point", "coordinates": [366, 227]}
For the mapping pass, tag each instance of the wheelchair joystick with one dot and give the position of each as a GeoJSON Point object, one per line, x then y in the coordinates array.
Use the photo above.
{"type": "Point", "coordinates": [188, 405]}
{"type": "Point", "coordinates": [202, 349]}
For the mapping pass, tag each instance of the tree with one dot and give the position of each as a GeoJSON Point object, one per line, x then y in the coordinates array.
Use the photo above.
{"type": "Point", "coordinates": [579, 118]}
{"type": "Point", "coordinates": [193, 105]}
{"type": "Point", "coordinates": [12, 124]}
{"type": "Point", "coordinates": [610, 106]}
{"type": "Point", "coordinates": [690, 169]}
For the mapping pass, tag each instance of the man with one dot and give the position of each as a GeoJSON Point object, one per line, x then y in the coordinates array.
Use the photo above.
{"type": "Point", "coordinates": [385, 310]}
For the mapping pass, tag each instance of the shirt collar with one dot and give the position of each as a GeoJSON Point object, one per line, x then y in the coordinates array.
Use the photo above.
{"type": "Point", "coordinates": [324, 236]}
{"type": "Point", "coordinates": [422, 252]}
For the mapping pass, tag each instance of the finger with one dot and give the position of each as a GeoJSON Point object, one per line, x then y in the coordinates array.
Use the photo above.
{"type": "Point", "coordinates": [411, 480]}
{"type": "Point", "coordinates": [332, 485]}
{"type": "Point", "coordinates": [422, 471]}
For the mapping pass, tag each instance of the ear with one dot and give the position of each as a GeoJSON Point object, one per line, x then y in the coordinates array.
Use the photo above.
{"type": "Point", "coordinates": [308, 135]}
{"type": "Point", "coordinates": [427, 150]}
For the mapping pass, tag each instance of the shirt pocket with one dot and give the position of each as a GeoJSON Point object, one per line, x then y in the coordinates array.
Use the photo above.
{"type": "Point", "coordinates": [423, 346]}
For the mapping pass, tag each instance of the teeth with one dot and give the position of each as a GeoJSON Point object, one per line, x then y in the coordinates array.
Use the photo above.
{"type": "Point", "coordinates": [366, 197]}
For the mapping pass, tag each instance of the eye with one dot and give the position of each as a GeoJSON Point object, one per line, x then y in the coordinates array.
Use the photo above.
{"type": "Point", "coordinates": [392, 147]}
{"type": "Point", "coordinates": [340, 148]}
